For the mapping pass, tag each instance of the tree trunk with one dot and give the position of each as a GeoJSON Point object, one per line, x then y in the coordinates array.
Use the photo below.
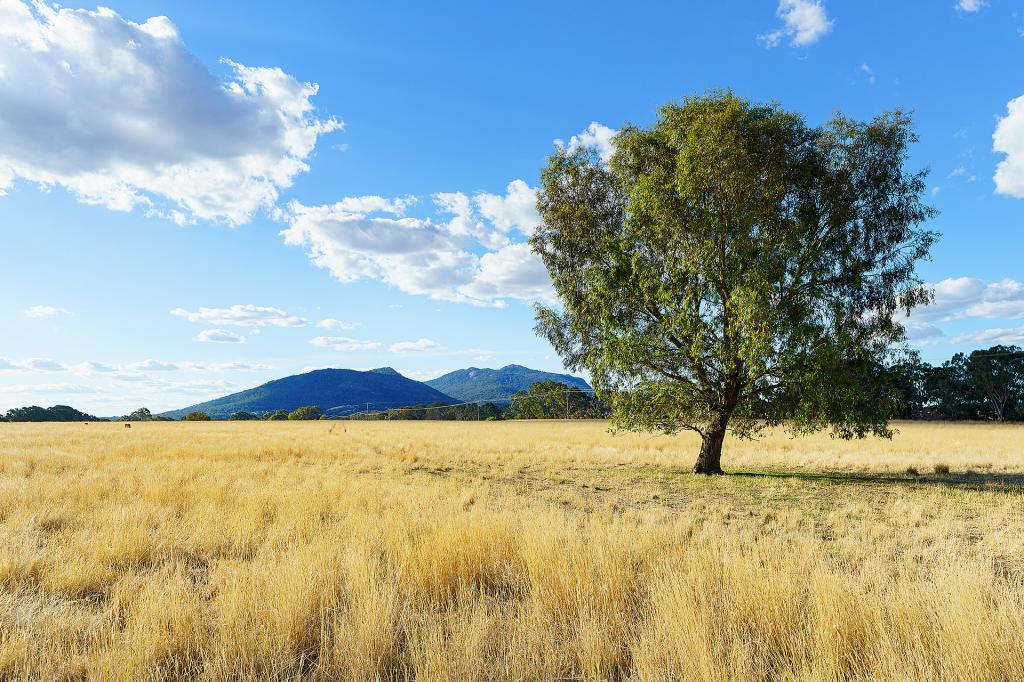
{"type": "Point", "coordinates": [709, 462]}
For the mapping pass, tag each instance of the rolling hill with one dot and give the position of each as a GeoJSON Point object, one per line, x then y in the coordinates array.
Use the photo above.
{"type": "Point", "coordinates": [498, 385]}
{"type": "Point", "coordinates": [335, 391]}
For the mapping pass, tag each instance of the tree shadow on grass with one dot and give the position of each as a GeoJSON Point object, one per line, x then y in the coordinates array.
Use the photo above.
{"type": "Point", "coordinates": [970, 480]}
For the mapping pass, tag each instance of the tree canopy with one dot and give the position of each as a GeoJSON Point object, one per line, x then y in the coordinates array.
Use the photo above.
{"type": "Point", "coordinates": [554, 400]}
{"type": "Point", "coordinates": [733, 266]}
{"type": "Point", "coordinates": [305, 413]}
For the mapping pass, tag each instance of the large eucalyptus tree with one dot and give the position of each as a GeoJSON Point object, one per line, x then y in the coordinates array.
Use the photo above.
{"type": "Point", "coordinates": [732, 268]}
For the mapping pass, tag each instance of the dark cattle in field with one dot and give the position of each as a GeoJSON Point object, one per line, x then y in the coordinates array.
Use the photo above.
{"type": "Point", "coordinates": [127, 426]}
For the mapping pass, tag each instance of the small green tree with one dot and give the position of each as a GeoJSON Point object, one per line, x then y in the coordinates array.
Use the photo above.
{"type": "Point", "coordinates": [243, 416]}
{"type": "Point", "coordinates": [280, 415]}
{"type": "Point", "coordinates": [140, 415]}
{"type": "Point", "coordinates": [731, 257]}
{"type": "Point", "coordinates": [553, 400]}
{"type": "Point", "coordinates": [305, 413]}
{"type": "Point", "coordinates": [196, 417]}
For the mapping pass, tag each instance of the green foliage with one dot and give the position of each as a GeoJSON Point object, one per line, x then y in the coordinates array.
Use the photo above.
{"type": "Point", "coordinates": [554, 400]}
{"type": "Point", "coordinates": [733, 268]}
{"type": "Point", "coordinates": [997, 374]}
{"type": "Point", "coordinates": [987, 384]}
{"type": "Point", "coordinates": [280, 415]}
{"type": "Point", "coordinates": [443, 412]}
{"type": "Point", "coordinates": [196, 417]}
{"type": "Point", "coordinates": [308, 412]}
{"type": "Point", "coordinates": [243, 416]}
{"type": "Point", "coordinates": [57, 413]}
{"type": "Point", "coordinates": [140, 415]}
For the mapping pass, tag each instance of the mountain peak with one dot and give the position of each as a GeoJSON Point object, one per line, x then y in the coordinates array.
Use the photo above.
{"type": "Point", "coordinates": [497, 385]}
{"type": "Point", "coordinates": [386, 370]}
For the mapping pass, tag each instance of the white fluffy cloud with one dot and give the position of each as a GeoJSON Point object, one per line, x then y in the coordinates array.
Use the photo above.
{"type": "Point", "coordinates": [804, 22]}
{"type": "Point", "coordinates": [45, 311]}
{"type": "Point", "coordinates": [464, 253]}
{"type": "Point", "coordinates": [243, 316]}
{"type": "Point", "coordinates": [970, 5]}
{"type": "Point", "coordinates": [341, 343]}
{"type": "Point", "coordinates": [417, 346]}
{"type": "Point", "coordinates": [966, 297]}
{"type": "Point", "coordinates": [123, 115]}
{"type": "Point", "coordinates": [596, 136]}
{"type": "Point", "coordinates": [1008, 139]}
{"type": "Point", "coordinates": [516, 210]}
{"type": "Point", "coordinates": [219, 336]}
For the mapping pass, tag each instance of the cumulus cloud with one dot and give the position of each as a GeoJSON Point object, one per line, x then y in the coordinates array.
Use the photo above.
{"type": "Point", "coordinates": [341, 343]}
{"type": "Point", "coordinates": [121, 114]}
{"type": "Point", "coordinates": [804, 22]}
{"type": "Point", "coordinates": [466, 252]}
{"type": "Point", "coordinates": [597, 137]}
{"type": "Point", "coordinates": [1008, 139]}
{"type": "Point", "coordinates": [45, 311]}
{"type": "Point", "coordinates": [966, 297]}
{"type": "Point", "coordinates": [243, 316]}
{"type": "Point", "coordinates": [970, 5]}
{"type": "Point", "coordinates": [219, 336]}
{"type": "Point", "coordinates": [1004, 299]}
{"type": "Point", "coordinates": [952, 296]}
{"type": "Point", "coordinates": [417, 346]}
{"type": "Point", "coordinates": [516, 210]}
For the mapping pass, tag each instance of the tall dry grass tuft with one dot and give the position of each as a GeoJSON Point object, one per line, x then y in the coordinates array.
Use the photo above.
{"type": "Point", "coordinates": [233, 551]}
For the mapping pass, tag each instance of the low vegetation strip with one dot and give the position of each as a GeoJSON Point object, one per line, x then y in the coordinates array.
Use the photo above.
{"type": "Point", "coordinates": [506, 551]}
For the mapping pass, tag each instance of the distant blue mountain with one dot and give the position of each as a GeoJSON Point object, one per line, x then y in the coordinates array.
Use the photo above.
{"type": "Point", "coordinates": [335, 391]}
{"type": "Point", "coordinates": [497, 385]}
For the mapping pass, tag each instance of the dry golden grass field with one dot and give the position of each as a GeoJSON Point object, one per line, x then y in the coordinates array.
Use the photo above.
{"type": "Point", "coordinates": [506, 551]}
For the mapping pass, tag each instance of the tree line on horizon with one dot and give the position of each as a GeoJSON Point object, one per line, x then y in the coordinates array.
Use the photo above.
{"type": "Point", "coordinates": [983, 385]}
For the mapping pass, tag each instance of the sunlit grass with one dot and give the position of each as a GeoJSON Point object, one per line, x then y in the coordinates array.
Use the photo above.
{"type": "Point", "coordinates": [494, 551]}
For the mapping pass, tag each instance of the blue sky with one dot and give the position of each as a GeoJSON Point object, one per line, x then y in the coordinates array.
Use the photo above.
{"type": "Point", "coordinates": [184, 216]}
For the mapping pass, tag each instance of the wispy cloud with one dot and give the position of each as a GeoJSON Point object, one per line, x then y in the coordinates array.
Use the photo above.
{"type": "Point", "coordinates": [243, 316]}
{"type": "Point", "coordinates": [45, 311]}
{"type": "Point", "coordinates": [418, 346]}
{"type": "Point", "coordinates": [342, 343]}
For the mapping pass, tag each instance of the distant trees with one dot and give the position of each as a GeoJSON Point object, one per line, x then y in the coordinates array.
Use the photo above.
{"type": "Point", "coordinates": [444, 412]}
{"type": "Point", "coordinates": [243, 416]}
{"type": "Point", "coordinates": [140, 415]}
{"type": "Point", "coordinates": [196, 417]}
{"type": "Point", "coordinates": [555, 400]}
{"type": "Point", "coordinates": [280, 415]}
{"type": "Point", "coordinates": [307, 413]}
{"type": "Point", "coordinates": [987, 384]}
{"type": "Point", "coordinates": [57, 413]}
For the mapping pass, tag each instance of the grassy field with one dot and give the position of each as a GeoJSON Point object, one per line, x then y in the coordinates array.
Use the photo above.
{"type": "Point", "coordinates": [506, 551]}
